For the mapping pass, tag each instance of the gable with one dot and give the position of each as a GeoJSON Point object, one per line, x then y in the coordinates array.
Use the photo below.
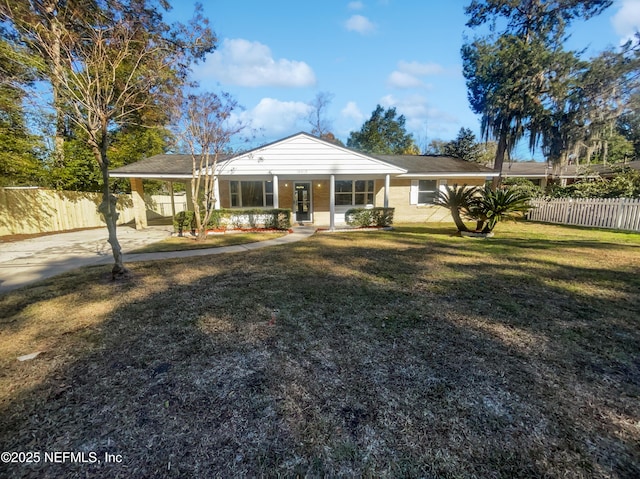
{"type": "Point", "coordinates": [303, 154]}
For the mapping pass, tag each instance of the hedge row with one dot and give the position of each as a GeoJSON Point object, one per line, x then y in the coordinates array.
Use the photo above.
{"type": "Point", "coordinates": [276, 218]}
{"type": "Point", "coordinates": [364, 217]}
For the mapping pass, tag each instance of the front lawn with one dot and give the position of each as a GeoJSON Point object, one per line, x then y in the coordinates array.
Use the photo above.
{"type": "Point", "coordinates": [410, 353]}
{"type": "Point", "coordinates": [177, 243]}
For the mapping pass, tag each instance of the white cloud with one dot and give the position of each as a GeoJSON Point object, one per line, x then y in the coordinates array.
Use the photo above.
{"type": "Point", "coordinates": [360, 24]}
{"type": "Point", "coordinates": [626, 21]}
{"type": "Point", "coordinates": [355, 6]}
{"type": "Point", "coordinates": [251, 64]}
{"type": "Point", "coordinates": [274, 118]}
{"type": "Point", "coordinates": [404, 80]}
{"type": "Point", "coordinates": [352, 111]}
{"type": "Point", "coordinates": [408, 74]}
{"type": "Point", "coordinates": [420, 69]}
{"type": "Point", "coordinates": [419, 113]}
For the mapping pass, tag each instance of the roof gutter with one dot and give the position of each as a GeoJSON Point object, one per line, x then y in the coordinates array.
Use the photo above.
{"type": "Point", "coordinates": [149, 175]}
{"type": "Point", "coordinates": [449, 175]}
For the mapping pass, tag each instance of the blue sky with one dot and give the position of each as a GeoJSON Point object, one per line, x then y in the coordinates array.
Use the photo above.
{"type": "Point", "coordinates": [275, 56]}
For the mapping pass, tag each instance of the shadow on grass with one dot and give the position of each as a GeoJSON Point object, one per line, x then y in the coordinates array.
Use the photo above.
{"type": "Point", "coordinates": [342, 355]}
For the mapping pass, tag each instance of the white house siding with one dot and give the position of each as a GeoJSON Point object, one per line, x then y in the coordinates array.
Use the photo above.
{"type": "Point", "coordinates": [304, 157]}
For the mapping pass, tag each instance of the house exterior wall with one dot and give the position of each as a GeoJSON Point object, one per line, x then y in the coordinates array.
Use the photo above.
{"type": "Point", "coordinates": [321, 202]}
{"type": "Point", "coordinates": [225, 198]}
{"type": "Point", "coordinates": [285, 194]}
{"type": "Point", "coordinates": [399, 198]}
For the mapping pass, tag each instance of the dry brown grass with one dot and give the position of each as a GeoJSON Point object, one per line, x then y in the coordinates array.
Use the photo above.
{"type": "Point", "coordinates": [395, 354]}
{"type": "Point", "coordinates": [176, 243]}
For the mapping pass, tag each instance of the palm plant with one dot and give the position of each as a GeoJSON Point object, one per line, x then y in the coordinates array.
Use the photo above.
{"type": "Point", "coordinates": [457, 199]}
{"type": "Point", "coordinates": [493, 206]}
{"type": "Point", "coordinates": [485, 206]}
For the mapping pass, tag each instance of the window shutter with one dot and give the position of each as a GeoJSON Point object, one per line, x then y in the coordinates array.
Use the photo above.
{"type": "Point", "coordinates": [413, 195]}
{"type": "Point", "coordinates": [442, 186]}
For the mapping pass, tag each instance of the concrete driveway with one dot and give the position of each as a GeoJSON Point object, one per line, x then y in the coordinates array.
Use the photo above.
{"type": "Point", "coordinates": [23, 262]}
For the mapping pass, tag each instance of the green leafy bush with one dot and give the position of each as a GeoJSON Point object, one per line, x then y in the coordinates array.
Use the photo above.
{"type": "Point", "coordinates": [624, 184]}
{"type": "Point", "coordinates": [525, 185]}
{"type": "Point", "coordinates": [275, 218]}
{"type": "Point", "coordinates": [364, 217]}
{"type": "Point", "coordinates": [184, 220]}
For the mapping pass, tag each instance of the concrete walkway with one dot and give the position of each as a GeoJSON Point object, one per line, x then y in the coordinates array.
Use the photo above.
{"type": "Point", "coordinates": [23, 262]}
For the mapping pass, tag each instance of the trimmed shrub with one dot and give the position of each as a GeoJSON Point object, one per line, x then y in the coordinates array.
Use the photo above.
{"type": "Point", "coordinates": [184, 220]}
{"type": "Point", "coordinates": [364, 217]}
{"type": "Point", "coordinates": [274, 218]}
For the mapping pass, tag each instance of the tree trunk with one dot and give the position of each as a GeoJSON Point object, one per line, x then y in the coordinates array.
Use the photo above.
{"type": "Point", "coordinates": [195, 193]}
{"type": "Point", "coordinates": [108, 209]}
{"type": "Point", "coordinates": [56, 75]}
{"type": "Point", "coordinates": [455, 214]}
{"type": "Point", "coordinates": [500, 154]}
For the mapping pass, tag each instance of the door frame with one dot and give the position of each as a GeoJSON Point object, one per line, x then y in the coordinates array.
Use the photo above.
{"type": "Point", "coordinates": [309, 183]}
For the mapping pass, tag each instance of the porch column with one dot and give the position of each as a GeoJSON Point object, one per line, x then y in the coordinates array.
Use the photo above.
{"type": "Point", "coordinates": [173, 201]}
{"type": "Point", "coordinates": [387, 184]}
{"type": "Point", "coordinates": [276, 199]}
{"type": "Point", "coordinates": [332, 202]}
{"type": "Point", "coordinates": [216, 193]}
{"type": "Point", "coordinates": [139, 208]}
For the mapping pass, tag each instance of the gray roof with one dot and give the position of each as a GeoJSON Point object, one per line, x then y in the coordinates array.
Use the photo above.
{"type": "Point", "coordinates": [164, 165]}
{"type": "Point", "coordinates": [610, 169]}
{"type": "Point", "coordinates": [543, 169]}
{"type": "Point", "coordinates": [435, 164]}
{"type": "Point", "coordinates": [528, 168]}
{"type": "Point", "coordinates": [179, 166]}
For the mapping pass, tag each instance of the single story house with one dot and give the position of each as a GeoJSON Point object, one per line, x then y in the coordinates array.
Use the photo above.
{"type": "Point", "coordinates": [317, 179]}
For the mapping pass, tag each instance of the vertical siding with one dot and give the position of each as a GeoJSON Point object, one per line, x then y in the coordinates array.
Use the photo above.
{"type": "Point", "coordinates": [29, 211]}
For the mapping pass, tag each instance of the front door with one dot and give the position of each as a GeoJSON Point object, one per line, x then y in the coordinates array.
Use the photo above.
{"type": "Point", "coordinates": [302, 201]}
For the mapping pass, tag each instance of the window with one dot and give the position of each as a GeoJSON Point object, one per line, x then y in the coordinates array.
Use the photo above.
{"type": "Point", "coordinates": [424, 192]}
{"type": "Point", "coordinates": [354, 192]}
{"type": "Point", "coordinates": [251, 194]}
{"type": "Point", "coordinates": [427, 191]}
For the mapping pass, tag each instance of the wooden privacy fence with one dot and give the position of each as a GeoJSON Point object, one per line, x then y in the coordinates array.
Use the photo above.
{"type": "Point", "coordinates": [617, 213]}
{"type": "Point", "coordinates": [38, 210]}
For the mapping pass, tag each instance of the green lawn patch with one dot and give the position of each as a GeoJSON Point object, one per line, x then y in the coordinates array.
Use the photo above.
{"type": "Point", "coordinates": [406, 353]}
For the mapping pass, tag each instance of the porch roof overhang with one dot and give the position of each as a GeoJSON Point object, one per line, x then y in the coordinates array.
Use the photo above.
{"type": "Point", "coordinates": [158, 167]}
